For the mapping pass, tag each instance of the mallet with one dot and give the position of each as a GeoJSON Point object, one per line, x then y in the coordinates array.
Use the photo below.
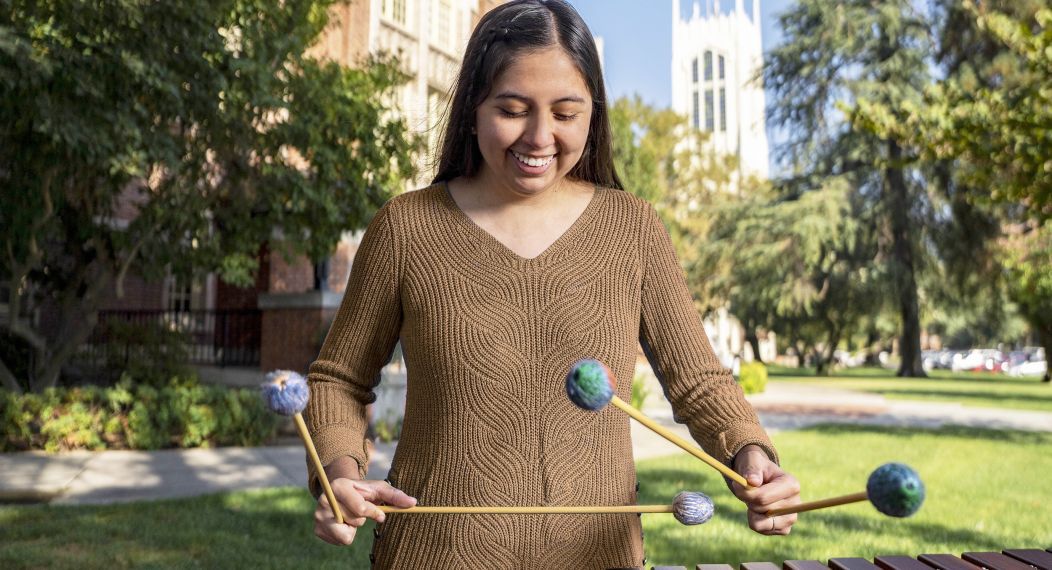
{"type": "Point", "coordinates": [894, 489]}
{"type": "Point", "coordinates": [689, 508]}
{"type": "Point", "coordinates": [590, 385]}
{"type": "Point", "coordinates": [286, 393]}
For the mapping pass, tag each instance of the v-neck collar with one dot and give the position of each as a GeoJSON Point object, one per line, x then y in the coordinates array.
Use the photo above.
{"type": "Point", "coordinates": [487, 239]}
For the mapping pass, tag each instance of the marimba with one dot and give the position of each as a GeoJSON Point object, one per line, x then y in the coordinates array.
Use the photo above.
{"type": "Point", "coordinates": [1021, 559]}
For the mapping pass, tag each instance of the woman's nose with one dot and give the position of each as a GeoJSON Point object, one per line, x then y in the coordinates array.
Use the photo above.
{"type": "Point", "coordinates": [540, 132]}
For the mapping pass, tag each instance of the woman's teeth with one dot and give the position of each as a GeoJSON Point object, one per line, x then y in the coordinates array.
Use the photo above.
{"type": "Point", "coordinates": [530, 161]}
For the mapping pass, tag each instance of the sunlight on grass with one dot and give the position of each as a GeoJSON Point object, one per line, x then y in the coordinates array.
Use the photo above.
{"type": "Point", "coordinates": [986, 490]}
{"type": "Point", "coordinates": [974, 389]}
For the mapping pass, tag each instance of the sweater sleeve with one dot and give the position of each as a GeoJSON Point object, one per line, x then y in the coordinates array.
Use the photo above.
{"type": "Point", "coordinates": [703, 393]}
{"type": "Point", "coordinates": [360, 341]}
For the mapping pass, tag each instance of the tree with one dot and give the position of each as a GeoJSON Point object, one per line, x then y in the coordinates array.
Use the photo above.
{"type": "Point", "coordinates": [663, 160]}
{"type": "Point", "coordinates": [173, 137]}
{"type": "Point", "coordinates": [990, 118]}
{"type": "Point", "coordinates": [836, 56]}
{"type": "Point", "coordinates": [799, 266]}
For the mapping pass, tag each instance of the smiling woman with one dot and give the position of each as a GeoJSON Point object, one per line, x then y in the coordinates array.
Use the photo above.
{"type": "Point", "coordinates": [522, 258]}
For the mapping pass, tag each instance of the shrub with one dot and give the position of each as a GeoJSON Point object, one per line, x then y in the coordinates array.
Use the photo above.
{"type": "Point", "coordinates": [135, 416]}
{"type": "Point", "coordinates": [753, 377]}
{"type": "Point", "coordinates": [147, 352]}
{"type": "Point", "coordinates": [639, 392]}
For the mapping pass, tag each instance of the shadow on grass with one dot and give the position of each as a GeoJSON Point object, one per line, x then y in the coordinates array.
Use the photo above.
{"type": "Point", "coordinates": [968, 434]}
{"type": "Point", "coordinates": [875, 373]}
{"type": "Point", "coordinates": [980, 399]}
{"type": "Point", "coordinates": [259, 529]}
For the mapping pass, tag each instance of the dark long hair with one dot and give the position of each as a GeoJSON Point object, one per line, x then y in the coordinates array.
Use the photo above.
{"type": "Point", "coordinates": [504, 32]}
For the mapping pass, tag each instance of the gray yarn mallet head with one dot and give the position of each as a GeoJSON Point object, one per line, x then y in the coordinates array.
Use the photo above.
{"type": "Point", "coordinates": [691, 507]}
{"type": "Point", "coordinates": [285, 392]}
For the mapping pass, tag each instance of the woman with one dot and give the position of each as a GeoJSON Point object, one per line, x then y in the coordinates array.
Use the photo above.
{"type": "Point", "coordinates": [523, 257]}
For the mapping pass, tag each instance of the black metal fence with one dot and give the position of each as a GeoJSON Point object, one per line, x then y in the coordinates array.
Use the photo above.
{"type": "Point", "coordinates": [216, 338]}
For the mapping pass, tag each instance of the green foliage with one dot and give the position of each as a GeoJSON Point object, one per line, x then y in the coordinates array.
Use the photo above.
{"type": "Point", "coordinates": [801, 267]}
{"type": "Point", "coordinates": [639, 392]}
{"type": "Point", "coordinates": [993, 112]}
{"type": "Point", "coordinates": [752, 377]}
{"type": "Point", "coordinates": [387, 429]}
{"type": "Point", "coordinates": [134, 415]}
{"type": "Point", "coordinates": [178, 137]}
{"type": "Point", "coordinates": [146, 352]}
{"type": "Point", "coordinates": [663, 160]}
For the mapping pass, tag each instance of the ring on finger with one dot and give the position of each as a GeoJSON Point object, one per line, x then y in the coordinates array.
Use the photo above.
{"type": "Point", "coordinates": [773, 525]}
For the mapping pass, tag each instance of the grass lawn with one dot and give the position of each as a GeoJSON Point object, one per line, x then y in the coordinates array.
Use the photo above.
{"type": "Point", "coordinates": [976, 389]}
{"type": "Point", "coordinates": [986, 490]}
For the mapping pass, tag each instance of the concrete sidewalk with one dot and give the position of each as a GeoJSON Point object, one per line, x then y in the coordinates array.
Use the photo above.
{"type": "Point", "coordinates": [81, 478]}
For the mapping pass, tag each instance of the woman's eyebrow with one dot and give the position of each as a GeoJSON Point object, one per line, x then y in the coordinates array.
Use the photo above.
{"type": "Point", "coordinates": [525, 99]}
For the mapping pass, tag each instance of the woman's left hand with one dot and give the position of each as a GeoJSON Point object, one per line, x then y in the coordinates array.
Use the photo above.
{"type": "Point", "coordinates": [771, 488]}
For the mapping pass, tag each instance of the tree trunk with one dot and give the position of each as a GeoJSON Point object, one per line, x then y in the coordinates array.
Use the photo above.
{"type": "Point", "coordinates": [7, 378]}
{"type": "Point", "coordinates": [1044, 336]}
{"type": "Point", "coordinates": [754, 341]}
{"type": "Point", "coordinates": [898, 202]}
{"type": "Point", "coordinates": [872, 348]}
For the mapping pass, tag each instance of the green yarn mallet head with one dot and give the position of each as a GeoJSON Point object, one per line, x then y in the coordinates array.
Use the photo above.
{"type": "Point", "coordinates": [590, 384]}
{"type": "Point", "coordinates": [895, 490]}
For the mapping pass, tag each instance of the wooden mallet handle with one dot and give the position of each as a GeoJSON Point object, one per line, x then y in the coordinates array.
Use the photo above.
{"type": "Point", "coordinates": [824, 503]}
{"type": "Point", "coordinates": [309, 444]}
{"type": "Point", "coordinates": [679, 441]}
{"type": "Point", "coordinates": [558, 509]}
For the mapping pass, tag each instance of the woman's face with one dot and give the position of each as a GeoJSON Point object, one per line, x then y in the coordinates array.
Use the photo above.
{"type": "Point", "coordinates": [533, 126]}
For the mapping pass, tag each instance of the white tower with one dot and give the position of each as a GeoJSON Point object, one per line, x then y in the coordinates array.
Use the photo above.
{"type": "Point", "coordinates": [716, 59]}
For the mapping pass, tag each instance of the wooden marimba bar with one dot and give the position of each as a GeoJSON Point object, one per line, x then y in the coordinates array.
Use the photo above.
{"type": "Point", "coordinates": [1021, 559]}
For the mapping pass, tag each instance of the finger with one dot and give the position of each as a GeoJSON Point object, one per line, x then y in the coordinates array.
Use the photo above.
{"type": "Point", "coordinates": [327, 529]}
{"type": "Point", "coordinates": [353, 504]}
{"type": "Point", "coordinates": [771, 526]}
{"type": "Point", "coordinates": [383, 492]}
{"type": "Point", "coordinates": [358, 506]}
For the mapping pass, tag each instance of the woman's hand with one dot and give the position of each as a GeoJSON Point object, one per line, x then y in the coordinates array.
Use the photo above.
{"type": "Point", "coordinates": [771, 488]}
{"type": "Point", "coordinates": [358, 501]}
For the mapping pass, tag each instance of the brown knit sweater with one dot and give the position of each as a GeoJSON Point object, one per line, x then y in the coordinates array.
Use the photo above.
{"type": "Point", "coordinates": [488, 338]}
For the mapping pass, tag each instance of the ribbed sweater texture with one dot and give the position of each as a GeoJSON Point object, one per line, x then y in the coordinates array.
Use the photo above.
{"type": "Point", "coordinates": [488, 338]}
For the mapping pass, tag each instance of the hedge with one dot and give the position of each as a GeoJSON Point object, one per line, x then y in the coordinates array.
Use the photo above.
{"type": "Point", "coordinates": [753, 377]}
{"type": "Point", "coordinates": [134, 416]}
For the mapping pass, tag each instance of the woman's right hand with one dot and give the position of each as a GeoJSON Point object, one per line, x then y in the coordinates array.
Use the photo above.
{"type": "Point", "coordinates": [358, 501]}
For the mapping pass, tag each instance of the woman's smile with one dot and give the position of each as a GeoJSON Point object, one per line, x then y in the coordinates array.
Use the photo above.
{"type": "Point", "coordinates": [533, 126]}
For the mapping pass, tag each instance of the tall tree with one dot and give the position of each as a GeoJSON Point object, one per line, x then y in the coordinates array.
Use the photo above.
{"type": "Point", "coordinates": [172, 136]}
{"type": "Point", "coordinates": [799, 266]}
{"type": "Point", "coordinates": [836, 55]}
{"type": "Point", "coordinates": [988, 120]}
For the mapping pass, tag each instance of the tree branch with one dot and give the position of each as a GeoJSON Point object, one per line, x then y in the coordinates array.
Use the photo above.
{"type": "Point", "coordinates": [7, 378]}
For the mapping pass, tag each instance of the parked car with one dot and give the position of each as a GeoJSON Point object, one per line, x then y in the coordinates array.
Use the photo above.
{"type": "Point", "coordinates": [971, 360]}
{"type": "Point", "coordinates": [1029, 368]}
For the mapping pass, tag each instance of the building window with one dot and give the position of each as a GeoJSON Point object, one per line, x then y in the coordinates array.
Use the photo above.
{"type": "Point", "coordinates": [395, 10]}
{"type": "Point", "coordinates": [708, 66]}
{"type": "Point", "coordinates": [695, 70]}
{"type": "Point", "coordinates": [443, 32]}
{"type": "Point", "coordinates": [722, 73]}
{"type": "Point", "coordinates": [723, 108]}
{"type": "Point", "coordinates": [697, 119]}
{"type": "Point", "coordinates": [710, 115]}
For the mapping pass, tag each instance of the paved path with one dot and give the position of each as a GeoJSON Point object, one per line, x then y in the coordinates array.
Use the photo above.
{"type": "Point", "coordinates": [83, 477]}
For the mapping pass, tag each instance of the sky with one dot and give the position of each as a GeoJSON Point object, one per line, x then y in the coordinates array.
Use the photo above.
{"type": "Point", "coordinates": [637, 36]}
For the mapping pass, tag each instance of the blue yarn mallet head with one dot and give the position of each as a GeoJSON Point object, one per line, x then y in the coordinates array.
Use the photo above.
{"type": "Point", "coordinates": [590, 384]}
{"type": "Point", "coordinates": [895, 490]}
{"type": "Point", "coordinates": [692, 508]}
{"type": "Point", "coordinates": [285, 392]}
